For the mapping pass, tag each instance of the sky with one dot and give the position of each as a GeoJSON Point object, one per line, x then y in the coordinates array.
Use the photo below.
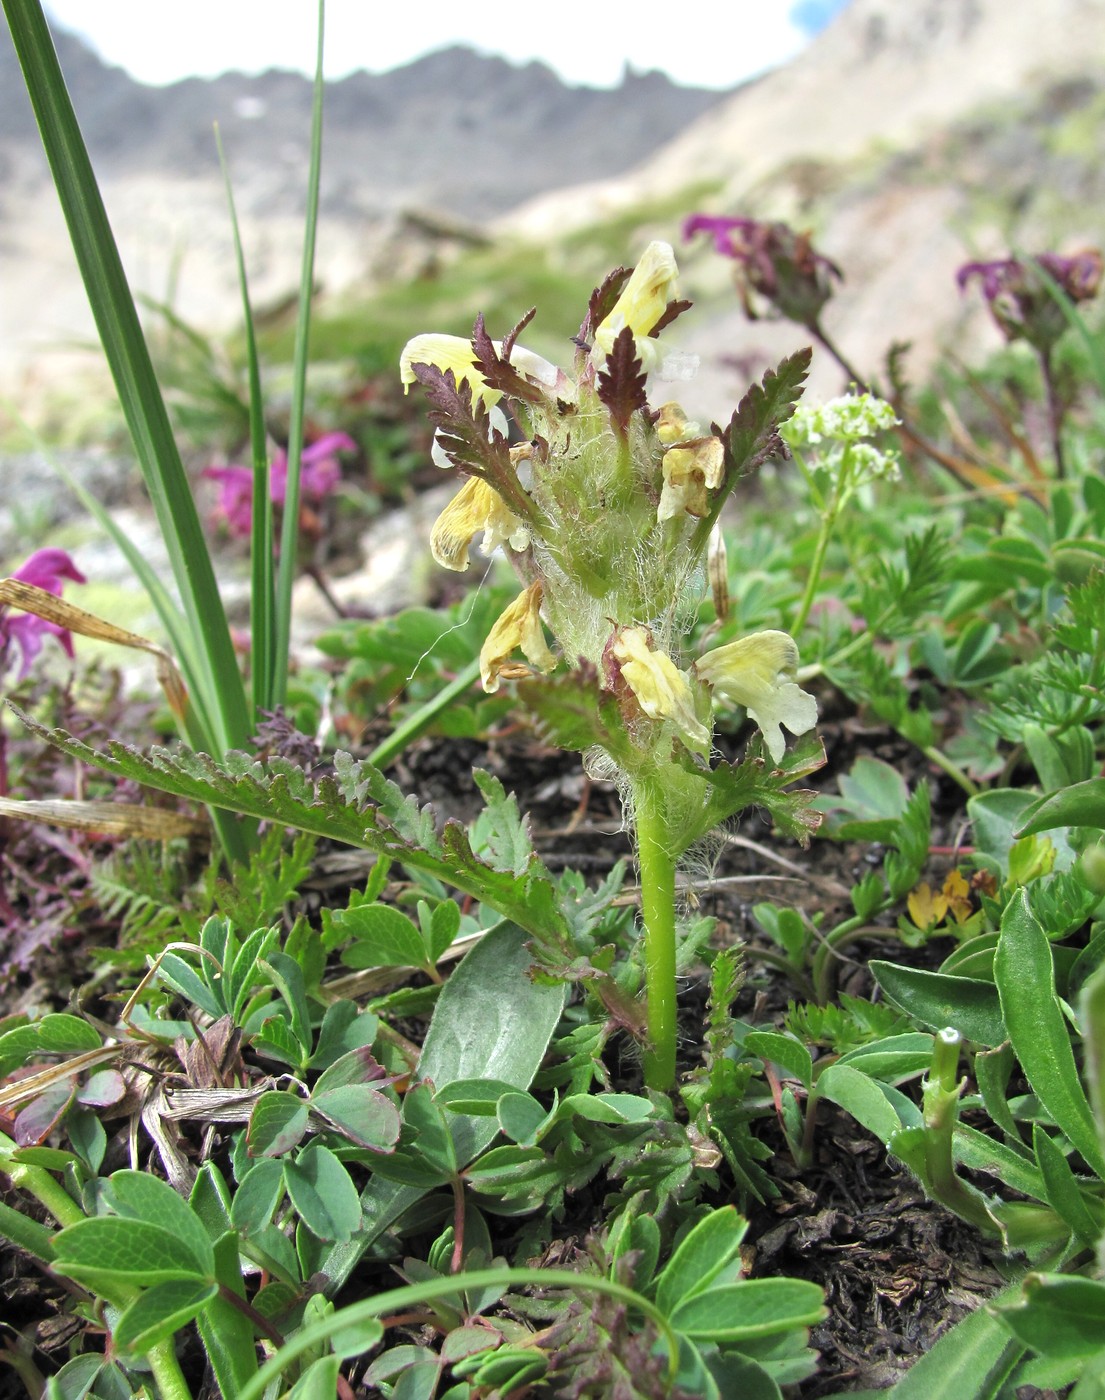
{"type": "Point", "coordinates": [160, 43]}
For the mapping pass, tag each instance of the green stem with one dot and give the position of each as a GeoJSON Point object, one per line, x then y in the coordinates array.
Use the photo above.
{"type": "Point", "coordinates": [941, 1110]}
{"type": "Point", "coordinates": [25, 1233]}
{"type": "Point", "coordinates": [841, 492]}
{"type": "Point", "coordinates": [953, 770]}
{"type": "Point", "coordinates": [814, 578]}
{"type": "Point", "coordinates": [822, 960]}
{"type": "Point", "coordinates": [398, 1299]}
{"type": "Point", "coordinates": [657, 876]}
{"type": "Point", "coordinates": [38, 1182]}
{"type": "Point", "coordinates": [166, 1370]}
{"type": "Point", "coordinates": [423, 717]}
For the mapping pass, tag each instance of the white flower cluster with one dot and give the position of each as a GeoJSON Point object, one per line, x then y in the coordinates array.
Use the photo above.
{"type": "Point", "coordinates": [838, 429]}
{"type": "Point", "coordinates": [846, 419]}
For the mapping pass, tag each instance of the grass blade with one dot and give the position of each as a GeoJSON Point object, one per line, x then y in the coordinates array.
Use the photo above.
{"type": "Point", "coordinates": [289, 539]}
{"type": "Point", "coordinates": [262, 597]}
{"type": "Point", "coordinates": [217, 684]}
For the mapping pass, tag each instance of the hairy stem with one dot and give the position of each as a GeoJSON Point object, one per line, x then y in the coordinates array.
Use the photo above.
{"type": "Point", "coordinates": [657, 875]}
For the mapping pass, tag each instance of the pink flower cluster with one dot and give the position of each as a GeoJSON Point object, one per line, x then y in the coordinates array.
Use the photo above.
{"type": "Point", "coordinates": [319, 474]}
{"type": "Point", "coordinates": [47, 569]}
{"type": "Point", "coordinates": [773, 260]}
{"type": "Point", "coordinates": [1020, 298]}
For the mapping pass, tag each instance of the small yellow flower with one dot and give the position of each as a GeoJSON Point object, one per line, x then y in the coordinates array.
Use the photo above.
{"type": "Point", "coordinates": [662, 690]}
{"type": "Point", "coordinates": [642, 303]}
{"type": "Point", "coordinates": [476, 507]}
{"type": "Point", "coordinates": [758, 672]}
{"type": "Point", "coordinates": [690, 470]}
{"type": "Point", "coordinates": [673, 425]}
{"type": "Point", "coordinates": [518, 626]}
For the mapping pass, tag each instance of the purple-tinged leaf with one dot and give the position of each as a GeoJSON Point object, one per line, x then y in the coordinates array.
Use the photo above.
{"type": "Point", "coordinates": [359, 1066]}
{"type": "Point", "coordinates": [603, 300]}
{"type": "Point", "coordinates": [672, 312]}
{"type": "Point", "coordinates": [621, 385]}
{"type": "Point", "coordinates": [497, 371]}
{"type": "Point", "coordinates": [512, 335]}
{"type": "Point", "coordinates": [363, 1115]}
{"type": "Point", "coordinates": [102, 1089]}
{"type": "Point", "coordinates": [35, 1122]}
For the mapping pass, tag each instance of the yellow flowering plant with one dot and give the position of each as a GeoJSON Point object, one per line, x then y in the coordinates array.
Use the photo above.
{"type": "Point", "coordinates": [605, 508]}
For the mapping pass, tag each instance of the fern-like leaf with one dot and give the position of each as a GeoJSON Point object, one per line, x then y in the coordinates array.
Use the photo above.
{"type": "Point", "coordinates": [357, 806]}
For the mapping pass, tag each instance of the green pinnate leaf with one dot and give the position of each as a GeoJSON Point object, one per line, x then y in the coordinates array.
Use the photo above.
{"type": "Point", "coordinates": [357, 806]}
{"type": "Point", "coordinates": [443, 928]}
{"type": "Point", "coordinates": [344, 1029]}
{"type": "Point", "coordinates": [383, 937]}
{"type": "Point", "coordinates": [140, 1196]}
{"type": "Point", "coordinates": [257, 1196]}
{"type": "Point", "coordinates": [782, 1050]}
{"type": "Point", "coordinates": [57, 1034]}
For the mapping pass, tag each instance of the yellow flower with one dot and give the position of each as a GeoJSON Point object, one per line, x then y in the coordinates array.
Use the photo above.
{"type": "Point", "coordinates": [690, 470]}
{"type": "Point", "coordinates": [672, 425]}
{"type": "Point", "coordinates": [643, 301]}
{"type": "Point", "coordinates": [518, 626]}
{"type": "Point", "coordinates": [758, 672]}
{"type": "Point", "coordinates": [453, 352]}
{"type": "Point", "coordinates": [476, 507]}
{"type": "Point", "coordinates": [662, 690]}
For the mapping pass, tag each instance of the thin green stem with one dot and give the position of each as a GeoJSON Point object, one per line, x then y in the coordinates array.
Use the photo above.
{"type": "Point", "coordinates": [814, 577]}
{"type": "Point", "coordinates": [834, 941]}
{"type": "Point", "coordinates": [400, 1299]}
{"type": "Point", "coordinates": [953, 770]}
{"type": "Point", "coordinates": [657, 875]}
{"type": "Point", "coordinates": [417, 723]}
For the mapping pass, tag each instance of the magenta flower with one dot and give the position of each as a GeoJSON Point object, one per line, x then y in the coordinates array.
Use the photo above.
{"type": "Point", "coordinates": [319, 474]}
{"type": "Point", "coordinates": [1020, 300]}
{"type": "Point", "coordinates": [48, 569]}
{"type": "Point", "coordinates": [774, 261]}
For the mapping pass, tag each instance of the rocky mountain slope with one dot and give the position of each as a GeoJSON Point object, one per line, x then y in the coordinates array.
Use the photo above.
{"type": "Point", "coordinates": [909, 138]}
{"type": "Point", "coordinates": [457, 136]}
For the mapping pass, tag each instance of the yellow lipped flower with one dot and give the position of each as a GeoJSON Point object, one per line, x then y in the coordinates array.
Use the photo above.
{"type": "Point", "coordinates": [519, 625]}
{"type": "Point", "coordinates": [690, 470]}
{"type": "Point", "coordinates": [476, 507]}
{"type": "Point", "coordinates": [661, 688]}
{"type": "Point", "coordinates": [759, 672]}
{"type": "Point", "coordinates": [643, 301]}
{"type": "Point", "coordinates": [453, 352]}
